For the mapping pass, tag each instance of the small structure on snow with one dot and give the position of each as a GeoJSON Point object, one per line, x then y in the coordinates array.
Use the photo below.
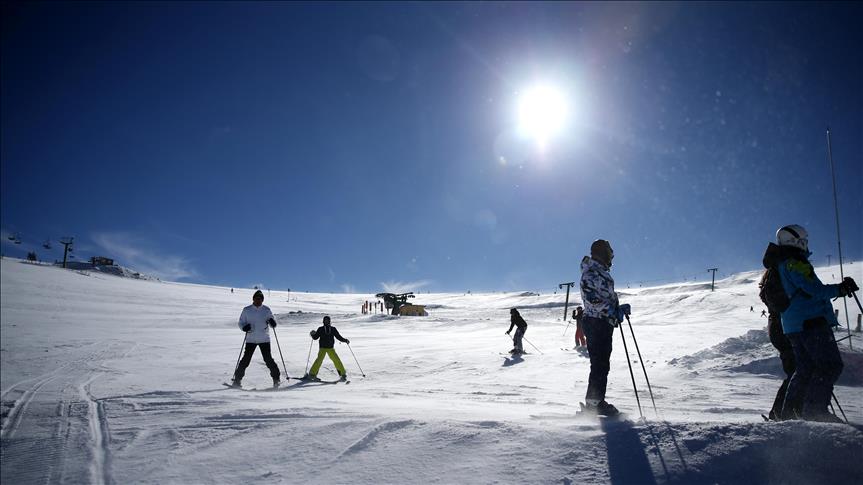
{"type": "Point", "coordinates": [399, 305]}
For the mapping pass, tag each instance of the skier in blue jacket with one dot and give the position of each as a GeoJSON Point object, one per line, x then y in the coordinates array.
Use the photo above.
{"type": "Point", "coordinates": [807, 323]}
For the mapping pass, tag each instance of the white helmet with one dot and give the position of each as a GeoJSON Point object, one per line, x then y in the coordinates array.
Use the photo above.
{"type": "Point", "coordinates": [793, 235]}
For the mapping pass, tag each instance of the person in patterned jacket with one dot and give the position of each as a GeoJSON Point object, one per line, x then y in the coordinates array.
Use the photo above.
{"type": "Point", "coordinates": [602, 312]}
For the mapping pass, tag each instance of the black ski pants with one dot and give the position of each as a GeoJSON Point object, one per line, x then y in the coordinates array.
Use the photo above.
{"type": "Point", "coordinates": [786, 356]}
{"type": "Point", "coordinates": [247, 358]}
{"type": "Point", "coordinates": [819, 365]}
{"type": "Point", "coordinates": [599, 333]}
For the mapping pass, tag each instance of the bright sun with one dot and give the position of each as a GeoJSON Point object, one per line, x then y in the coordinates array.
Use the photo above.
{"type": "Point", "coordinates": [542, 112]}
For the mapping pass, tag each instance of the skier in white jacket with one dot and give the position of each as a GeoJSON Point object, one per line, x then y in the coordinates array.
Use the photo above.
{"type": "Point", "coordinates": [256, 320]}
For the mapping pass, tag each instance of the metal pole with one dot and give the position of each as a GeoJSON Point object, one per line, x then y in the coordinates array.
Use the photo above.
{"type": "Point", "coordinates": [838, 236]}
{"type": "Point", "coordinates": [355, 360]}
{"type": "Point", "coordinates": [531, 344]}
{"type": "Point", "coordinates": [634, 388]}
{"type": "Point", "coordinates": [287, 377]}
{"type": "Point", "coordinates": [840, 408]}
{"type": "Point", "coordinates": [239, 356]}
{"type": "Point", "coordinates": [66, 242]}
{"type": "Point", "coordinates": [858, 302]}
{"type": "Point", "coordinates": [566, 304]}
{"type": "Point", "coordinates": [712, 278]}
{"type": "Point", "coordinates": [309, 358]}
{"type": "Point", "coordinates": [649, 389]}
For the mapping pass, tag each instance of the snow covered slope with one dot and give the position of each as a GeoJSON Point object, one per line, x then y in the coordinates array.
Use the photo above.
{"type": "Point", "coordinates": [116, 380]}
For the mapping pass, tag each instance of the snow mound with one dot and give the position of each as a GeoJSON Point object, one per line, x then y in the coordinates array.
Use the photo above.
{"type": "Point", "coordinates": [113, 270]}
{"type": "Point", "coordinates": [753, 345]}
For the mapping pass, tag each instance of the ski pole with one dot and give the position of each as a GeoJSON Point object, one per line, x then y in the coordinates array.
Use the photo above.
{"type": "Point", "coordinates": [287, 377]}
{"type": "Point", "coordinates": [649, 389]}
{"type": "Point", "coordinates": [844, 338]}
{"type": "Point", "coordinates": [634, 388]}
{"type": "Point", "coordinates": [355, 360]}
{"type": "Point", "coordinates": [309, 358]}
{"type": "Point", "coordinates": [531, 344]}
{"type": "Point", "coordinates": [840, 407]}
{"type": "Point", "coordinates": [241, 353]}
{"type": "Point", "coordinates": [858, 302]}
{"type": "Point", "coordinates": [566, 328]}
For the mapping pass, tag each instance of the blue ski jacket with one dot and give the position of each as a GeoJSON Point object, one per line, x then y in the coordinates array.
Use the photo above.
{"type": "Point", "coordinates": [810, 298]}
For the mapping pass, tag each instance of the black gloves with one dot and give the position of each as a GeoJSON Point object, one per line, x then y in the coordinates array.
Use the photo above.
{"type": "Point", "coordinates": [271, 322]}
{"type": "Point", "coordinates": [312, 333]}
{"type": "Point", "coordinates": [347, 341]}
{"type": "Point", "coordinates": [247, 328]}
{"type": "Point", "coordinates": [848, 286]}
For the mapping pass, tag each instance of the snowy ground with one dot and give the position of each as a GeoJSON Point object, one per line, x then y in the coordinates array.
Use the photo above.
{"type": "Point", "coordinates": [114, 380]}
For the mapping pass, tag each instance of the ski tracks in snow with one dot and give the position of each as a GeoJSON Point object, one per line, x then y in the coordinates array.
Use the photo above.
{"type": "Point", "coordinates": [54, 429]}
{"type": "Point", "coordinates": [371, 436]}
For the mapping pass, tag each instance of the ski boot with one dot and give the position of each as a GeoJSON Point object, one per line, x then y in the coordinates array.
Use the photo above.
{"type": "Point", "coordinates": [343, 377]}
{"type": "Point", "coordinates": [276, 383]}
{"type": "Point", "coordinates": [309, 377]}
{"type": "Point", "coordinates": [606, 409]}
{"type": "Point", "coordinates": [238, 383]}
{"type": "Point", "coordinates": [602, 408]}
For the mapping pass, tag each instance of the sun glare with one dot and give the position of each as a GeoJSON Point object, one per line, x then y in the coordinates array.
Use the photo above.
{"type": "Point", "coordinates": [542, 112]}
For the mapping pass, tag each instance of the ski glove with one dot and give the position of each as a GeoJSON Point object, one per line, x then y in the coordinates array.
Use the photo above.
{"type": "Point", "coordinates": [848, 286]}
{"type": "Point", "coordinates": [247, 328]}
{"type": "Point", "coordinates": [272, 322]}
{"type": "Point", "coordinates": [312, 333]}
{"type": "Point", "coordinates": [348, 341]}
{"type": "Point", "coordinates": [625, 309]}
{"type": "Point", "coordinates": [619, 315]}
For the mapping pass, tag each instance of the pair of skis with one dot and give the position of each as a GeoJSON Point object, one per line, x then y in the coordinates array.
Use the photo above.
{"type": "Point", "coordinates": [281, 387]}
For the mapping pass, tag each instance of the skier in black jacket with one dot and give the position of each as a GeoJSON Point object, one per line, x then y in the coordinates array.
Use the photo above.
{"type": "Point", "coordinates": [327, 333]}
{"type": "Point", "coordinates": [774, 255]}
{"type": "Point", "coordinates": [515, 320]}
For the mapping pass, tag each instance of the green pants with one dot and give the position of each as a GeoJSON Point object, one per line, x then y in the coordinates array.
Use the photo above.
{"type": "Point", "coordinates": [333, 356]}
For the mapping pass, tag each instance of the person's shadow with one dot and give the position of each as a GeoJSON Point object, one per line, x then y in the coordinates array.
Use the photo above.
{"type": "Point", "coordinates": [627, 460]}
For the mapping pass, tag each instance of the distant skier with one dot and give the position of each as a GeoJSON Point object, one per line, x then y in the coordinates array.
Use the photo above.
{"type": "Point", "coordinates": [807, 323]}
{"type": "Point", "coordinates": [515, 320]}
{"type": "Point", "coordinates": [602, 312]}
{"type": "Point", "coordinates": [256, 320]}
{"type": "Point", "coordinates": [763, 313]}
{"type": "Point", "coordinates": [751, 309]}
{"type": "Point", "coordinates": [327, 333]}
{"type": "Point", "coordinates": [578, 316]}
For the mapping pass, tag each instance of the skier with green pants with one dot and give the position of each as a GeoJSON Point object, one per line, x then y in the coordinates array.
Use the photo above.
{"type": "Point", "coordinates": [327, 333]}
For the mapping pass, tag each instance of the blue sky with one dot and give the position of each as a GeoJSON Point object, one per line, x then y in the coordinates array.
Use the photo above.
{"type": "Point", "coordinates": [361, 147]}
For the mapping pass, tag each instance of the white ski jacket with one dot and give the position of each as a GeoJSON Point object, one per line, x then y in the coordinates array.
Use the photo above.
{"type": "Point", "coordinates": [257, 318]}
{"type": "Point", "coordinates": [597, 291]}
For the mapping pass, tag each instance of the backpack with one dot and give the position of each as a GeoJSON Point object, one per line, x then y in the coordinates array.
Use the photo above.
{"type": "Point", "coordinates": [771, 291]}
